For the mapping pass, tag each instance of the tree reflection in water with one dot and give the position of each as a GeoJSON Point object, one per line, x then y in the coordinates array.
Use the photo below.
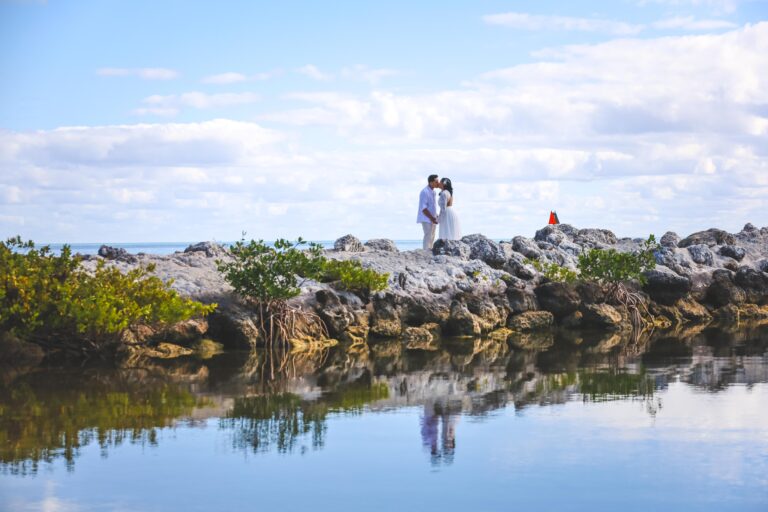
{"type": "Point", "coordinates": [52, 414]}
{"type": "Point", "coordinates": [42, 419]}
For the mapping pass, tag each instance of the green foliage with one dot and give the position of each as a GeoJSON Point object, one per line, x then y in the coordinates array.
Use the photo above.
{"type": "Point", "coordinates": [611, 266]}
{"type": "Point", "coordinates": [267, 274]}
{"type": "Point", "coordinates": [33, 283]}
{"type": "Point", "coordinates": [109, 301]}
{"type": "Point", "coordinates": [553, 271]}
{"type": "Point", "coordinates": [49, 297]}
{"type": "Point", "coordinates": [353, 276]}
{"type": "Point", "coordinates": [272, 274]}
{"type": "Point", "coordinates": [605, 266]}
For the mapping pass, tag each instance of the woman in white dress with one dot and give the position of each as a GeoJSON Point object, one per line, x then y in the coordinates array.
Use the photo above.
{"type": "Point", "coordinates": [448, 221]}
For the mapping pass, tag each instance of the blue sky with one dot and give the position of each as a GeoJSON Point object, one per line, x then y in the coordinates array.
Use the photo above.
{"type": "Point", "coordinates": [151, 121]}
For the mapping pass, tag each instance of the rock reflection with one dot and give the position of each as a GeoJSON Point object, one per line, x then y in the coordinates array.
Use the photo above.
{"type": "Point", "coordinates": [285, 403]}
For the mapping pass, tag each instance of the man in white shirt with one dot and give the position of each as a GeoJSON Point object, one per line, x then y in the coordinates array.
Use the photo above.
{"type": "Point", "coordinates": [427, 216]}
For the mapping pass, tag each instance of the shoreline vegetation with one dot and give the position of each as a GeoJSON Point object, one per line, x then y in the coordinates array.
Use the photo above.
{"type": "Point", "coordinates": [297, 297]}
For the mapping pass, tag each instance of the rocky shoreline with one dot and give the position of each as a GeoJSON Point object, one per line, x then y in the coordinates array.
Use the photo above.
{"type": "Point", "coordinates": [478, 287]}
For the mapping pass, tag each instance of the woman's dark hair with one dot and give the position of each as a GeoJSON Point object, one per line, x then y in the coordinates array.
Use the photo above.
{"type": "Point", "coordinates": [448, 185]}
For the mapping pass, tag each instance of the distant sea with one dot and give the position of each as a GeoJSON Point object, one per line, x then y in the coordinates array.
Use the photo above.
{"type": "Point", "coordinates": [171, 247]}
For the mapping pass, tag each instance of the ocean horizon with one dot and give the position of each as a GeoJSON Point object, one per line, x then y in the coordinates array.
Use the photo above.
{"type": "Point", "coordinates": [172, 247]}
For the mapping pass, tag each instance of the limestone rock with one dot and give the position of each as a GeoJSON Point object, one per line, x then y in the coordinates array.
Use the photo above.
{"type": "Point", "coordinates": [526, 247]}
{"type": "Point", "coordinates": [517, 266]}
{"type": "Point", "coordinates": [666, 287]}
{"type": "Point", "coordinates": [116, 253]}
{"type": "Point", "coordinates": [602, 316]}
{"type": "Point", "coordinates": [572, 321]}
{"type": "Point", "coordinates": [461, 321]}
{"type": "Point", "coordinates": [348, 243]}
{"type": "Point", "coordinates": [452, 248]}
{"type": "Point", "coordinates": [669, 239]}
{"type": "Point", "coordinates": [211, 249]}
{"type": "Point", "coordinates": [723, 290]}
{"type": "Point", "coordinates": [595, 238]}
{"type": "Point", "coordinates": [556, 233]}
{"type": "Point", "coordinates": [489, 314]}
{"type": "Point", "coordinates": [701, 254]}
{"type": "Point", "coordinates": [560, 299]}
{"type": "Point", "coordinates": [335, 315]}
{"type": "Point", "coordinates": [709, 238]}
{"type": "Point", "coordinates": [234, 325]}
{"type": "Point", "coordinates": [521, 300]}
{"type": "Point", "coordinates": [184, 332]}
{"type": "Point", "coordinates": [754, 283]}
{"type": "Point", "coordinates": [381, 244]}
{"type": "Point", "coordinates": [385, 320]}
{"type": "Point", "coordinates": [590, 292]}
{"type": "Point", "coordinates": [692, 310]}
{"type": "Point", "coordinates": [484, 249]}
{"type": "Point", "coordinates": [733, 251]}
{"type": "Point", "coordinates": [531, 321]}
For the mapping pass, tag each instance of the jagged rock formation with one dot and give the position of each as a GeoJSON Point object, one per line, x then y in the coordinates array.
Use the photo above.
{"type": "Point", "coordinates": [478, 286]}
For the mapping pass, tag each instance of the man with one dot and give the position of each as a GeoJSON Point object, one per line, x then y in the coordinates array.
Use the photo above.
{"type": "Point", "coordinates": [427, 216]}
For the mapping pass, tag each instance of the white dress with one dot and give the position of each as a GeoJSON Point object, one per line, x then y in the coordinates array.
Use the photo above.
{"type": "Point", "coordinates": [448, 221]}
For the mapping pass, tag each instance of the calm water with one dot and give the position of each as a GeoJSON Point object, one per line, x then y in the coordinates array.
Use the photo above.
{"type": "Point", "coordinates": [171, 247]}
{"type": "Point", "coordinates": [674, 423]}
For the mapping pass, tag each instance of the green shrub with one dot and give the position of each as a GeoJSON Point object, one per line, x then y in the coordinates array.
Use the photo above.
{"type": "Point", "coordinates": [266, 274]}
{"type": "Point", "coordinates": [48, 297]}
{"type": "Point", "coordinates": [109, 301]}
{"type": "Point", "coordinates": [553, 271]}
{"type": "Point", "coordinates": [33, 285]}
{"type": "Point", "coordinates": [353, 276]}
{"type": "Point", "coordinates": [611, 266]}
{"type": "Point", "coordinates": [270, 276]}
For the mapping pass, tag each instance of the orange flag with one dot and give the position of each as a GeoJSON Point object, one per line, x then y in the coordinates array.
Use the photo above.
{"type": "Point", "coordinates": [553, 218]}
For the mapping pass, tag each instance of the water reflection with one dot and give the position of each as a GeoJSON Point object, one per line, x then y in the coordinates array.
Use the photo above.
{"type": "Point", "coordinates": [48, 414]}
{"type": "Point", "coordinates": [438, 429]}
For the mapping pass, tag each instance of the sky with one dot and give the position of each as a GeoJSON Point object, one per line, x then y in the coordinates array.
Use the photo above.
{"type": "Point", "coordinates": [147, 121]}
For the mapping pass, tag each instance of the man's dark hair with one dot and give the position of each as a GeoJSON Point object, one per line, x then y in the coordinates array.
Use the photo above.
{"type": "Point", "coordinates": [431, 178]}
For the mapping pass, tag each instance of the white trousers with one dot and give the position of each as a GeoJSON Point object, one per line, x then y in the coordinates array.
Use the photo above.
{"type": "Point", "coordinates": [429, 235]}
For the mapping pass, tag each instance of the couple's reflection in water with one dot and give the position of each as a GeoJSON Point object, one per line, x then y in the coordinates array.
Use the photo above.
{"type": "Point", "coordinates": [438, 430]}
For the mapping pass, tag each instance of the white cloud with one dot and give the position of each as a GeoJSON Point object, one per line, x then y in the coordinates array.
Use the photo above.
{"type": "Point", "coordinates": [671, 138]}
{"type": "Point", "coordinates": [144, 73]}
{"type": "Point", "coordinates": [314, 73]}
{"type": "Point", "coordinates": [171, 104]}
{"type": "Point", "coordinates": [266, 75]}
{"type": "Point", "coordinates": [526, 21]}
{"type": "Point", "coordinates": [726, 6]}
{"type": "Point", "coordinates": [225, 78]}
{"type": "Point", "coordinates": [359, 72]}
{"type": "Point", "coordinates": [691, 24]}
{"type": "Point", "coordinates": [216, 142]}
{"type": "Point", "coordinates": [366, 74]}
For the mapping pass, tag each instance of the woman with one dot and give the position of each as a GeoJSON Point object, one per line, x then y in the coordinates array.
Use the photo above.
{"type": "Point", "coordinates": [448, 221]}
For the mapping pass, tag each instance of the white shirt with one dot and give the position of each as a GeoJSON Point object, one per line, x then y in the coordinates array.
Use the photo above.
{"type": "Point", "coordinates": [427, 200]}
